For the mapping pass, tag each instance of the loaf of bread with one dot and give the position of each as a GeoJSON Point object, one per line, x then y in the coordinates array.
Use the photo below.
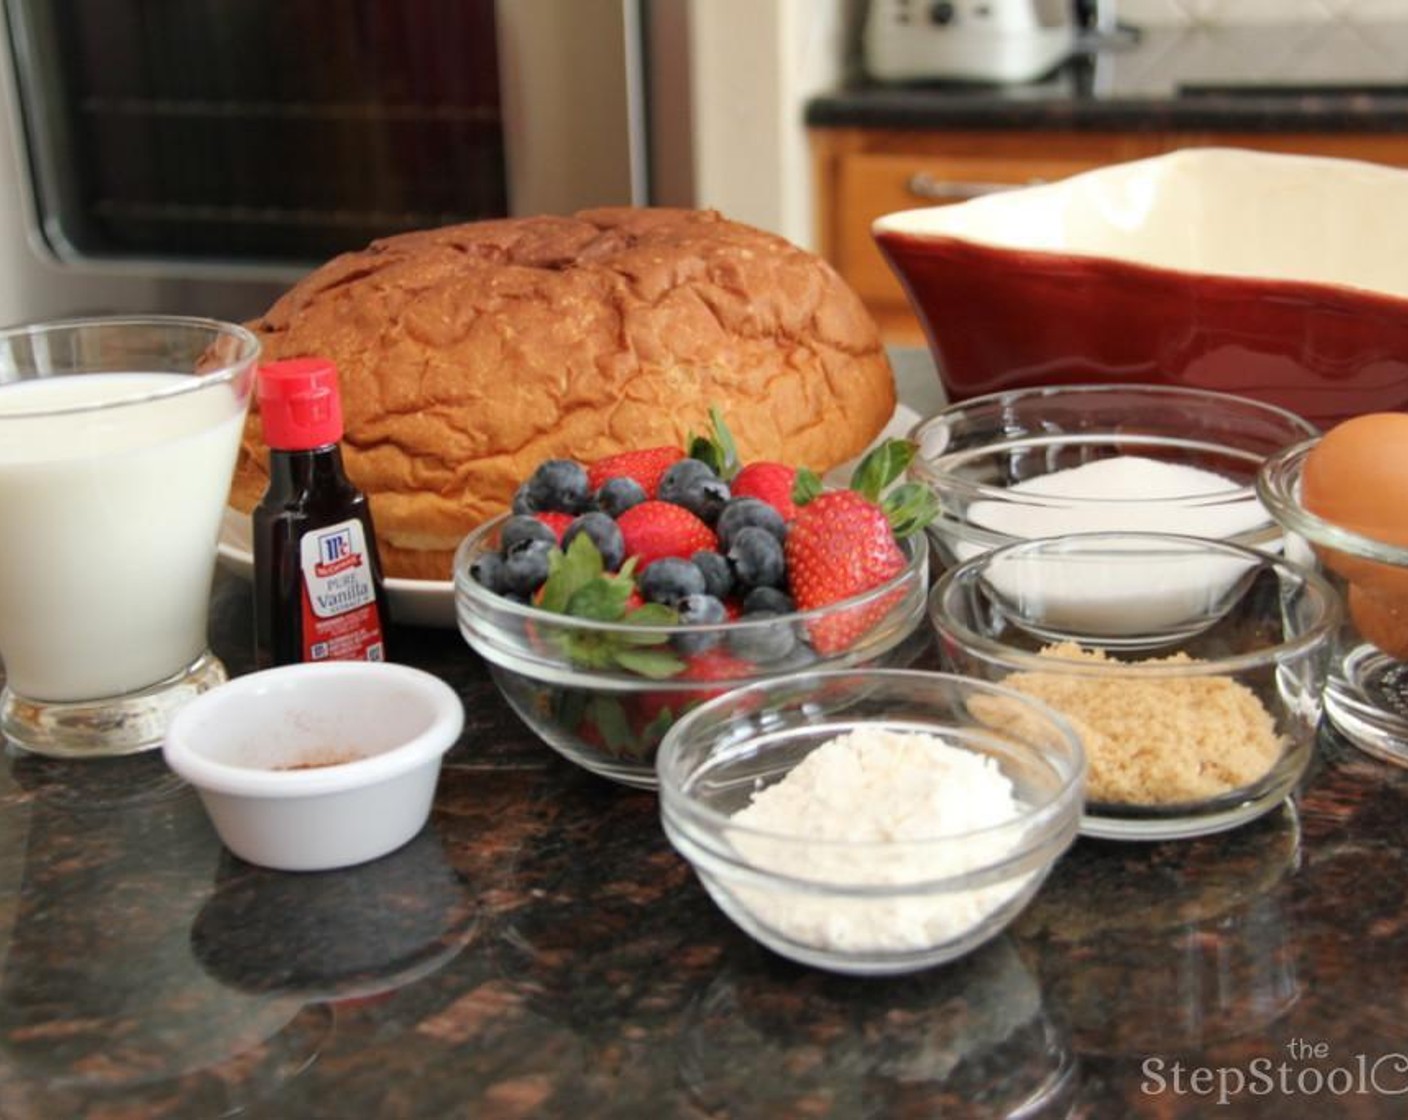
{"type": "Point", "coordinates": [469, 354]}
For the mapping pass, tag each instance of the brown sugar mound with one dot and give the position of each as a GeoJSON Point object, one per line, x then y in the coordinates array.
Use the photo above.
{"type": "Point", "coordinates": [471, 353]}
{"type": "Point", "coordinates": [1158, 741]}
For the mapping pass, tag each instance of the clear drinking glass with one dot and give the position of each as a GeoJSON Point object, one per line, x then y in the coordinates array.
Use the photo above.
{"type": "Point", "coordinates": [118, 439]}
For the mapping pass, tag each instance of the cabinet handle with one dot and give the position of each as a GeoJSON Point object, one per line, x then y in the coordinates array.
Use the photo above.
{"type": "Point", "coordinates": [924, 185]}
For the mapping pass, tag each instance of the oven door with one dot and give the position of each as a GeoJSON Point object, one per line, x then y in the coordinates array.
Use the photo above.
{"type": "Point", "coordinates": [255, 138]}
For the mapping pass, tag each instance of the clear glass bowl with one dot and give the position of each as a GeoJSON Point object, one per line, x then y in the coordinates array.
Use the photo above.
{"type": "Point", "coordinates": [874, 907]}
{"type": "Point", "coordinates": [1193, 668]}
{"type": "Point", "coordinates": [610, 720]}
{"type": "Point", "coordinates": [1367, 694]}
{"type": "Point", "coordinates": [974, 454]}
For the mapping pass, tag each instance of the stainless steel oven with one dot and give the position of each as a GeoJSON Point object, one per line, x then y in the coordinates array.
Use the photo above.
{"type": "Point", "coordinates": [201, 154]}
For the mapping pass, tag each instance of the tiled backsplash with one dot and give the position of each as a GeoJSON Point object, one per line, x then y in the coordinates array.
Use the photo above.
{"type": "Point", "coordinates": [1181, 13]}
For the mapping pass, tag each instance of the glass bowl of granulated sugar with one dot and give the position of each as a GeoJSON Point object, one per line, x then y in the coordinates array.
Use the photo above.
{"type": "Point", "coordinates": [871, 822]}
{"type": "Point", "coordinates": [1050, 461]}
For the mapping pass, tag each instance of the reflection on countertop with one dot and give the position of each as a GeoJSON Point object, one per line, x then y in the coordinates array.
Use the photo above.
{"type": "Point", "coordinates": [541, 951]}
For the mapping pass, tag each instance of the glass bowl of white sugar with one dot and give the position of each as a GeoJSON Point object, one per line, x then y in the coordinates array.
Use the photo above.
{"type": "Point", "coordinates": [871, 822]}
{"type": "Point", "coordinates": [1112, 457]}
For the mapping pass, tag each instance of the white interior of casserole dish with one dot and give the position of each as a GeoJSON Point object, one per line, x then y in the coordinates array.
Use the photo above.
{"type": "Point", "coordinates": [1224, 211]}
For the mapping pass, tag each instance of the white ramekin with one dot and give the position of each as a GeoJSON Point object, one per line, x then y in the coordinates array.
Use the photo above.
{"type": "Point", "coordinates": [316, 766]}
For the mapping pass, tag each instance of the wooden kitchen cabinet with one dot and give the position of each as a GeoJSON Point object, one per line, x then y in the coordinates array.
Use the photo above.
{"type": "Point", "coordinates": [863, 173]}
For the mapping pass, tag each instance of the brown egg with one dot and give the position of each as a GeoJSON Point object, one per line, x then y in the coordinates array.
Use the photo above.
{"type": "Point", "coordinates": [1380, 619]}
{"type": "Point", "coordinates": [1356, 477]}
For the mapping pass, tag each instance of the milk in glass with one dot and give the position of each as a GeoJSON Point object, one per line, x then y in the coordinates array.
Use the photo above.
{"type": "Point", "coordinates": [109, 520]}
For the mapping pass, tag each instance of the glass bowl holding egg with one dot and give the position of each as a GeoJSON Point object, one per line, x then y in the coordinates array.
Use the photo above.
{"type": "Point", "coordinates": [1193, 669]}
{"type": "Point", "coordinates": [1094, 458]}
{"type": "Point", "coordinates": [1343, 502]}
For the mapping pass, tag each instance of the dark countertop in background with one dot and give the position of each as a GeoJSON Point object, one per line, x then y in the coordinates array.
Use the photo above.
{"type": "Point", "coordinates": [539, 950]}
{"type": "Point", "coordinates": [1293, 78]}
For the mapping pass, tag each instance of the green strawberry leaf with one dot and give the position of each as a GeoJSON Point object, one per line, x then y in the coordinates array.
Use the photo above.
{"type": "Point", "coordinates": [882, 465]}
{"type": "Point", "coordinates": [603, 599]}
{"type": "Point", "coordinates": [650, 614]}
{"type": "Point", "coordinates": [571, 707]}
{"type": "Point", "coordinates": [724, 438]}
{"type": "Point", "coordinates": [587, 649]}
{"type": "Point", "coordinates": [654, 731]}
{"type": "Point", "coordinates": [718, 448]}
{"type": "Point", "coordinates": [910, 507]}
{"type": "Point", "coordinates": [569, 572]}
{"type": "Point", "coordinates": [806, 486]}
{"type": "Point", "coordinates": [578, 585]}
{"type": "Point", "coordinates": [610, 719]}
{"type": "Point", "coordinates": [657, 664]}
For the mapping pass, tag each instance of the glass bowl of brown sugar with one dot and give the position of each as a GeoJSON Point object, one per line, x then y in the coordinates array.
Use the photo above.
{"type": "Point", "coordinates": [1193, 669]}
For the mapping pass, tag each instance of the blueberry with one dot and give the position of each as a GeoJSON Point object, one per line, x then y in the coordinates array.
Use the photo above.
{"type": "Point", "coordinates": [742, 512]}
{"type": "Point", "coordinates": [669, 580]}
{"type": "Point", "coordinates": [521, 504]}
{"type": "Point", "coordinates": [603, 532]}
{"type": "Point", "coordinates": [718, 576]}
{"type": "Point", "coordinates": [487, 570]}
{"type": "Point", "coordinates": [526, 567]}
{"type": "Point", "coordinates": [769, 600]}
{"type": "Point", "coordinates": [557, 484]}
{"type": "Point", "coordinates": [616, 495]}
{"type": "Point", "coordinates": [675, 480]}
{"type": "Point", "coordinates": [699, 610]}
{"type": "Point", "coordinates": [522, 528]}
{"type": "Point", "coordinates": [763, 644]}
{"type": "Point", "coordinates": [705, 498]}
{"type": "Point", "coordinates": [757, 558]}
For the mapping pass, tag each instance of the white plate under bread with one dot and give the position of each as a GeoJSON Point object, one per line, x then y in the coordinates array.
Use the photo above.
{"type": "Point", "coordinates": [423, 602]}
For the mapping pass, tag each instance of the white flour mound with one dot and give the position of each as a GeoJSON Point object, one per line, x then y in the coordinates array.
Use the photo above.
{"type": "Point", "coordinates": [869, 786]}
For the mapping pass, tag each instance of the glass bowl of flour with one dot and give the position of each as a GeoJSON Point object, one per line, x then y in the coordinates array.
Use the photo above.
{"type": "Point", "coordinates": [871, 822]}
{"type": "Point", "coordinates": [1047, 462]}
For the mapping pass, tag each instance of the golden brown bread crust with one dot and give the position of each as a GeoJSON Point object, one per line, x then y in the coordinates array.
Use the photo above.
{"type": "Point", "coordinates": [469, 354]}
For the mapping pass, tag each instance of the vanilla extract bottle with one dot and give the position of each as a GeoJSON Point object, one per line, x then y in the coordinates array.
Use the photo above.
{"type": "Point", "coordinates": [318, 593]}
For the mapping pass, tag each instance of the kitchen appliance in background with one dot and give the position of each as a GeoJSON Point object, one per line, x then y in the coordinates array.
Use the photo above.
{"type": "Point", "coordinates": [967, 40]}
{"type": "Point", "coordinates": [200, 156]}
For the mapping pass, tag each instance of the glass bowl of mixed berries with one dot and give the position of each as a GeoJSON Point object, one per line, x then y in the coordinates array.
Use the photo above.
{"type": "Point", "coordinates": [619, 594]}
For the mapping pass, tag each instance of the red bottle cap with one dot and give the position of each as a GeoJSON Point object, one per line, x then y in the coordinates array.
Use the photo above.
{"type": "Point", "coordinates": [299, 403]}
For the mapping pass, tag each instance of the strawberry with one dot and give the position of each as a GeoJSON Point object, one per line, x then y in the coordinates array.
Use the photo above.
{"type": "Point", "coordinates": [845, 542]}
{"type": "Point", "coordinates": [654, 529]}
{"type": "Point", "coordinates": [645, 466]}
{"type": "Point", "coordinates": [555, 521]}
{"type": "Point", "coordinates": [716, 665]}
{"type": "Point", "coordinates": [712, 665]}
{"type": "Point", "coordinates": [769, 482]}
{"type": "Point", "coordinates": [841, 544]}
{"type": "Point", "coordinates": [657, 710]}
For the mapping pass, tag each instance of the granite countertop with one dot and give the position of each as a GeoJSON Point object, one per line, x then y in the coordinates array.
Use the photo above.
{"type": "Point", "coordinates": [539, 950]}
{"type": "Point", "coordinates": [1265, 78]}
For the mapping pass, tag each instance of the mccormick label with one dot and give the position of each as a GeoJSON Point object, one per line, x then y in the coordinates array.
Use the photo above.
{"type": "Point", "coordinates": [340, 619]}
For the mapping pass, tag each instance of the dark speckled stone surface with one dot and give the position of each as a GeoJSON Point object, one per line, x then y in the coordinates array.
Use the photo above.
{"type": "Point", "coordinates": [539, 950]}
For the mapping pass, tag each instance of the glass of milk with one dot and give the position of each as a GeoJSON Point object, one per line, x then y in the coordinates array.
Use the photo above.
{"type": "Point", "coordinates": [118, 439]}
